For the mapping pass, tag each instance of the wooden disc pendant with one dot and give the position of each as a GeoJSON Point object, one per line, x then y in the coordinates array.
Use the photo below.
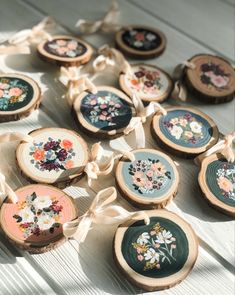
{"type": "Point", "coordinates": [19, 96]}
{"type": "Point", "coordinates": [149, 82]}
{"type": "Point", "coordinates": [65, 51]}
{"type": "Point", "coordinates": [104, 114]}
{"type": "Point", "coordinates": [56, 156]}
{"type": "Point", "coordinates": [212, 79]}
{"type": "Point", "coordinates": [151, 181]}
{"type": "Point", "coordinates": [156, 256]}
{"type": "Point", "coordinates": [217, 182]}
{"type": "Point", "coordinates": [140, 42]}
{"type": "Point", "coordinates": [35, 222]}
{"type": "Point", "coordinates": [184, 131]}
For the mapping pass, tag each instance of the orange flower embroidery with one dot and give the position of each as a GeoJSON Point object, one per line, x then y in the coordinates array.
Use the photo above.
{"type": "Point", "coordinates": [38, 155]}
{"type": "Point", "coordinates": [66, 144]}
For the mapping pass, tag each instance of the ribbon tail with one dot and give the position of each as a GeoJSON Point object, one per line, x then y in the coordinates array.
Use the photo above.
{"type": "Point", "coordinates": [15, 136]}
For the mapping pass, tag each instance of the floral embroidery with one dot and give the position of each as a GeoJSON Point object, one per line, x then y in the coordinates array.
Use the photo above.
{"type": "Point", "coordinates": [185, 128]}
{"type": "Point", "coordinates": [155, 247]}
{"type": "Point", "coordinates": [226, 181]}
{"type": "Point", "coordinates": [146, 81]}
{"type": "Point", "coordinates": [37, 214]}
{"type": "Point", "coordinates": [148, 175]}
{"type": "Point", "coordinates": [141, 39]}
{"type": "Point", "coordinates": [213, 76]}
{"type": "Point", "coordinates": [66, 47]}
{"type": "Point", "coordinates": [53, 155]}
{"type": "Point", "coordinates": [11, 92]}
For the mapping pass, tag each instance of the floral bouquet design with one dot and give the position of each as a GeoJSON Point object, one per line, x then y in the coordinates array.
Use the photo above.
{"type": "Point", "coordinates": [141, 39]}
{"type": "Point", "coordinates": [148, 175]}
{"type": "Point", "coordinates": [53, 155]}
{"type": "Point", "coordinates": [66, 48]}
{"type": "Point", "coordinates": [11, 92]}
{"type": "Point", "coordinates": [185, 128]}
{"type": "Point", "coordinates": [213, 76]}
{"type": "Point", "coordinates": [146, 81]}
{"type": "Point", "coordinates": [155, 247]}
{"type": "Point", "coordinates": [37, 214]}
{"type": "Point", "coordinates": [226, 181]}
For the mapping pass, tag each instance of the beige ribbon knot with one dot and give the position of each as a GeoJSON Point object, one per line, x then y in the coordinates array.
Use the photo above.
{"type": "Point", "coordinates": [142, 113]}
{"type": "Point", "coordinates": [107, 24]}
{"type": "Point", "coordinates": [6, 191]}
{"type": "Point", "coordinates": [19, 42]}
{"type": "Point", "coordinates": [75, 82]}
{"type": "Point", "coordinates": [15, 136]}
{"type": "Point", "coordinates": [98, 166]}
{"type": "Point", "coordinates": [180, 90]}
{"type": "Point", "coordinates": [101, 212]}
{"type": "Point", "coordinates": [224, 146]}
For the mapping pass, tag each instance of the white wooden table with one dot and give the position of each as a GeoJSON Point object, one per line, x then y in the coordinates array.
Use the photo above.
{"type": "Point", "coordinates": [191, 27]}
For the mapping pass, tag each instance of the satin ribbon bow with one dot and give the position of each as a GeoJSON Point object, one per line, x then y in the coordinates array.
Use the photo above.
{"type": "Point", "coordinates": [101, 212]}
{"type": "Point", "coordinates": [142, 113]}
{"type": "Point", "coordinates": [180, 90]}
{"type": "Point", "coordinates": [109, 56]}
{"type": "Point", "coordinates": [5, 190]}
{"type": "Point", "coordinates": [75, 82]}
{"type": "Point", "coordinates": [106, 25]}
{"type": "Point", "coordinates": [224, 147]}
{"type": "Point", "coordinates": [19, 42]}
{"type": "Point", "coordinates": [98, 166]}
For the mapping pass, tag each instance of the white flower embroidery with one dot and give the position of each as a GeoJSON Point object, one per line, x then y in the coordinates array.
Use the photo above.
{"type": "Point", "coordinates": [164, 237]}
{"type": "Point", "coordinates": [150, 37]}
{"type": "Point", "coordinates": [27, 215]}
{"type": "Point", "coordinates": [176, 131]}
{"type": "Point", "coordinates": [45, 222]}
{"type": "Point", "coordinates": [195, 127]}
{"type": "Point", "coordinates": [138, 43]}
{"type": "Point", "coordinates": [143, 238]}
{"type": "Point", "coordinates": [151, 255]}
{"type": "Point", "coordinates": [103, 99]}
{"type": "Point", "coordinates": [42, 202]}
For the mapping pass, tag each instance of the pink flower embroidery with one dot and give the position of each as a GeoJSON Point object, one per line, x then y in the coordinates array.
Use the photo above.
{"type": "Point", "coordinates": [61, 42]}
{"type": "Point", "coordinates": [1, 93]}
{"type": "Point", "coordinates": [140, 257]}
{"type": "Point", "coordinates": [225, 184]}
{"type": "Point", "coordinates": [219, 81]}
{"type": "Point", "coordinates": [93, 102]}
{"type": "Point", "coordinates": [72, 45]}
{"type": "Point", "coordinates": [62, 50]}
{"type": "Point", "coordinates": [102, 118]}
{"type": "Point", "coordinates": [4, 86]}
{"type": "Point", "coordinates": [69, 164]}
{"type": "Point", "coordinates": [16, 91]}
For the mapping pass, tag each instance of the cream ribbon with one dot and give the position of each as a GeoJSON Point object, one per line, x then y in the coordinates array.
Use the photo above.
{"type": "Point", "coordinates": [142, 113]}
{"type": "Point", "coordinates": [15, 136]}
{"type": "Point", "coordinates": [180, 90]}
{"type": "Point", "coordinates": [6, 190]}
{"type": "Point", "coordinates": [223, 146]}
{"type": "Point", "coordinates": [109, 56]}
{"type": "Point", "coordinates": [97, 166]}
{"type": "Point", "coordinates": [107, 24]}
{"type": "Point", "coordinates": [101, 212]}
{"type": "Point", "coordinates": [19, 43]}
{"type": "Point", "coordinates": [75, 82]}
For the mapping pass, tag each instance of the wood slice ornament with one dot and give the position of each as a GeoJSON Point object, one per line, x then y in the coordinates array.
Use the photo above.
{"type": "Point", "coordinates": [104, 114]}
{"type": "Point", "coordinates": [149, 82]}
{"type": "Point", "coordinates": [140, 42]}
{"type": "Point", "coordinates": [156, 256]}
{"type": "Point", "coordinates": [35, 222]}
{"type": "Point", "coordinates": [65, 51]}
{"type": "Point", "coordinates": [56, 156]}
{"type": "Point", "coordinates": [184, 131]}
{"type": "Point", "coordinates": [19, 96]}
{"type": "Point", "coordinates": [217, 183]}
{"type": "Point", "coordinates": [151, 181]}
{"type": "Point", "coordinates": [212, 78]}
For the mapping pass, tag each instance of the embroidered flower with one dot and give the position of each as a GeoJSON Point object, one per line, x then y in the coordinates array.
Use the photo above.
{"type": "Point", "coordinates": [45, 222]}
{"type": "Point", "coordinates": [151, 255]}
{"type": "Point", "coordinates": [219, 81]}
{"type": "Point", "coordinates": [164, 237]}
{"type": "Point", "coordinates": [176, 131]}
{"type": "Point", "coordinates": [66, 144]}
{"type": "Point", "coordinates": [69, 164]}
{"type": "Point", "coordinates": [143, 238]}
{"type": "Point", "coordinates": [141, 38]}
{"type": "Point", "coordinates": [225, 184]}
{"type": "Point", "coordinates": [66, 47]}
{"type": "Point", "coordinates": [188, 134]}
{"type": "Point", "coordinates": [27, 215]}
{"type": "Point", "coordinates": [42, 202]}
{"type": "Point", "coordinates": [38, 154]}
{"type": "Point", "coordinates": [196, 127]}
{"type": "Point", "coordinates": [15, 91]}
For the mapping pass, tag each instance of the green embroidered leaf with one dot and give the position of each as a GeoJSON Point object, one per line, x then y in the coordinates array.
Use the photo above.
{"type": "Point", "coordinates": [17, 217]}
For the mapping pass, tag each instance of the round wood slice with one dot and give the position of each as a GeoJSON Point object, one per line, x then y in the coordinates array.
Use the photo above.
{"type": "Point", "coordinates": [56, 156]}
{"type": "Point", "coordinates": [217, 182]}
{"type": "Point", "coordinates": [104, 114]}
{"type": "Point", "coordinates": [151, 181]}
{"type": "Point", "coordinates": [19, 96]}
{"type": "Point", "coordinates": [212, 80]}
{"type": "Point", "coordinates": [140, 42]}
{"type": "Point", "coordinates": [184, 131]}
{"type": "Point", "coordinates": [65, 51]}
{"type": "Point", "coordinates": [35, 222]}
{"type": "Point", "coordinates": [149, 82]}
{"type": "Point", "coordinates": [156, 256]}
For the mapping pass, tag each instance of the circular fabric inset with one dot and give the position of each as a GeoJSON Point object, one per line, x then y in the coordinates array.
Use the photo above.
{"type": "Point", "coordinates": [217, 183]}
{"type": "Point", "coordinates": [151, 181]}
{"type": "Point", "coordinates": [213, 78]}
{"type": "Point", "coordinates": [147, 81]}
{"type": "Point", "coordinates": [141, 42]}
{"type": "Point", "coordinates": [56, 155]}
{"type": "Point", "coordinates": [158, 255]}
{"type": "Point", "coordinates": [19, 95]}
{"type": "Point", "coordinates": [185, 131]}
{"type": "Point", "coordinates": [105, 113]}
{"type": "Point", "coordinates": [35, 222]}
{"type": "Point", "coordinates": [65, 50]}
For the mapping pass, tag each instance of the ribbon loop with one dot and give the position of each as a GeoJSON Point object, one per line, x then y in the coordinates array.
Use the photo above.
{"type": "Point", "coordinates": [101, 212]}
{"type": "Point", "coordinates": [6, 190]}
{"type": "Point", "coordinates": [14, 136]}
